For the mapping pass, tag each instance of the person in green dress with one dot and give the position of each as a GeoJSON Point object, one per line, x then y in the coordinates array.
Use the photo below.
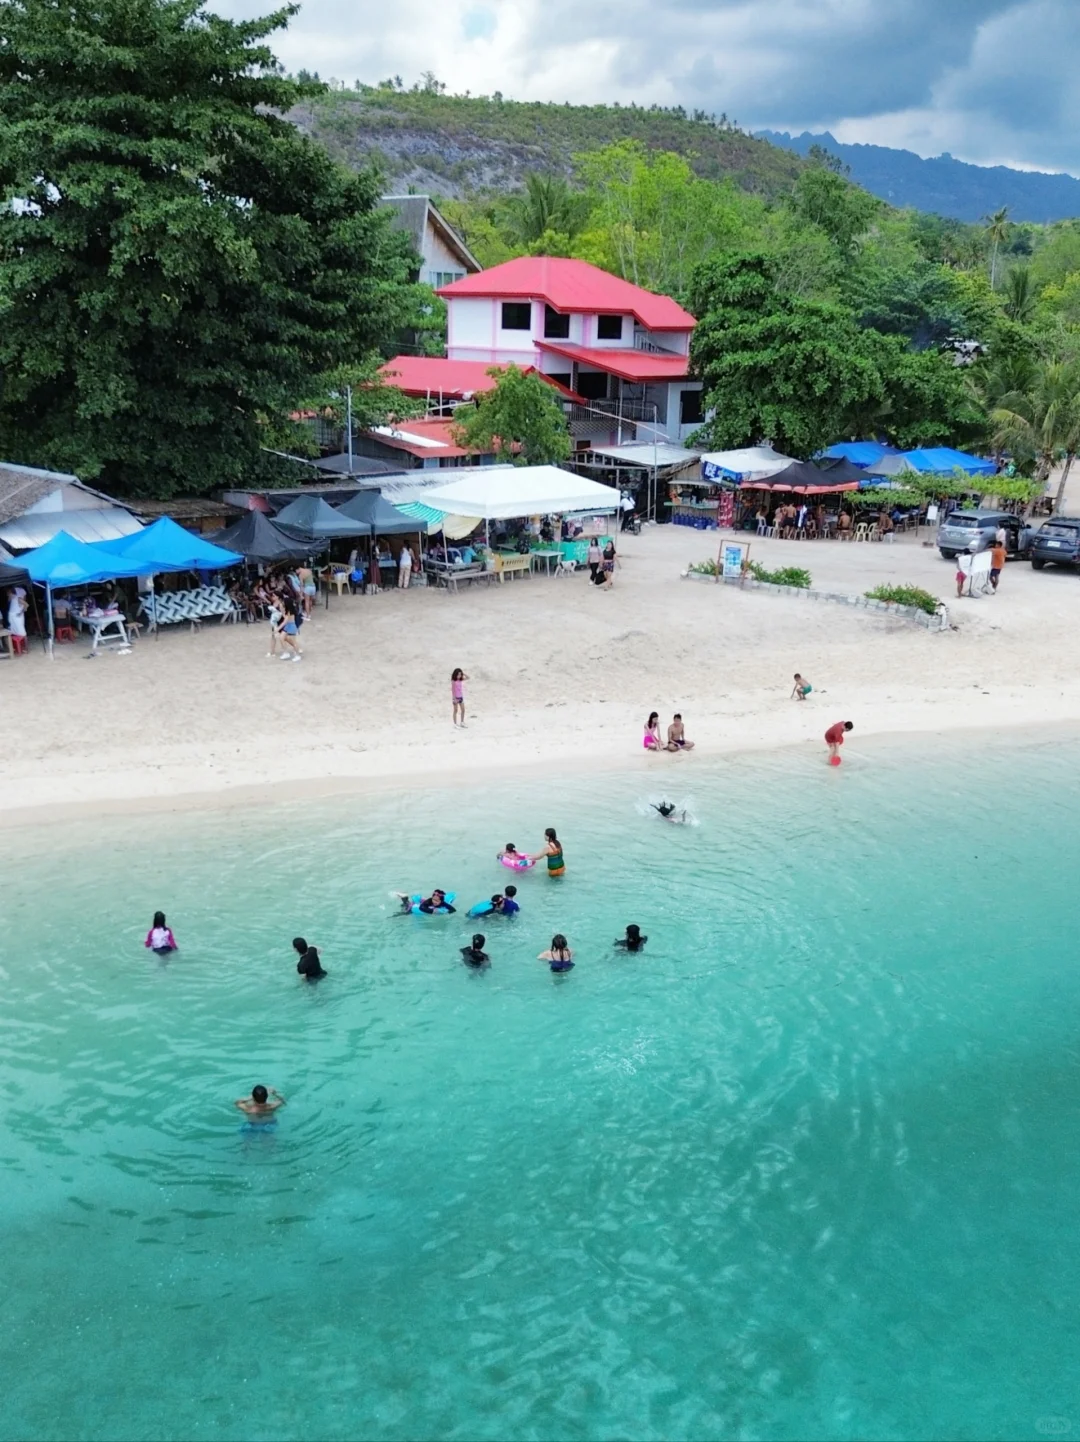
{"type": "Point", "coordinates": [552, 853]}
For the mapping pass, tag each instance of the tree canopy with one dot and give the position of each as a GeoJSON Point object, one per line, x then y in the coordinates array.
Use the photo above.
{"type": "Point", "coordinates": [520, 420]}
{"type": "Point", "coordinates": [177, 263]}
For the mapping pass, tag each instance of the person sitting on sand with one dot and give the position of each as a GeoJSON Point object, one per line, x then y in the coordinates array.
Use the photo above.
{"type": "Point", "coordinates": [676, 735]}
{"type": "Point", "coordinates": [261, 1104]}
{"type": "Point", "coordinates": [652, 740]}
{"type": "Point", "coordinates": [802, 688]}
{"type": "Point", "coordinates": [558, 956]}
{"type": "Point", "coordinates": [474, 954]}
{"type": "Point", "coordinates": [633, 940]}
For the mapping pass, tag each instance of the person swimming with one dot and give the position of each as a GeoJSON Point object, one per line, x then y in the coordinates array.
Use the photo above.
{"type": "Point", "coordinates": [501, 904]}
{"type": "Point", "coordinates": [261, 1105]}
{"type": "Point", "coordinates": [668, 811]}
{"type": "Point", "coordinates": [159, 939]}
{"type": "Point", "coordinates": [559, 957]}
{"type": "Point", "coordinates": [633, 940]}
{"type": "Point", "coordinates": [474, 955]}
{"type": "Point", "coordinates": [435, 904]}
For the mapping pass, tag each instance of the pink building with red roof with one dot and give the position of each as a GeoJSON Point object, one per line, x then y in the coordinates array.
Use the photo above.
{"type": "Point", "coordinates": [621, 351]}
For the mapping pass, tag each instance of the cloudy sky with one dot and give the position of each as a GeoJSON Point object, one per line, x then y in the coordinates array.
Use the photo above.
{"type": "Point", "coordinates": [991, 81]}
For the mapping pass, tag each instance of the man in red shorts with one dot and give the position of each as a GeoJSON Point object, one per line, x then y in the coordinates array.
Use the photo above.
{"type": "Point", "coordinates": [834, 737]}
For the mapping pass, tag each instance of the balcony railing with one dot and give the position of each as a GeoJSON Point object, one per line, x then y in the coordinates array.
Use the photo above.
{"type": "Point", "coordinates": [642, 341]}
{"type": "Point", "coordinates": [616, 410]}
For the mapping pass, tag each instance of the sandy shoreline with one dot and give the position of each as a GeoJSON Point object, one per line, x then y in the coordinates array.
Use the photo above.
{"type": "Point", "coordinates": [561, 679]}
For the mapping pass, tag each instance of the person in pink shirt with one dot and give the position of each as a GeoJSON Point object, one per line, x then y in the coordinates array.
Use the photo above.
{"type": "Point", "coordinates": [159, 939]}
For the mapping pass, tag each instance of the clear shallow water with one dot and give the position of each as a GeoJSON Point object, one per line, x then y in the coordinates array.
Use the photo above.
{"type": "Point", "coordinates": [805, 1169]}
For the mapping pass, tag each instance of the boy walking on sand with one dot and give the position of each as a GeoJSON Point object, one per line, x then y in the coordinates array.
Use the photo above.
{"type": "Point", "coordinates": [997, 563]}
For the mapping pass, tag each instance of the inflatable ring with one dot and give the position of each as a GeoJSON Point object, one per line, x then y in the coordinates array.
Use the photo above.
{"type": "Point", "coordinates": [482, 908]}
{"type": "Point", "coordinates": [440, 911]}
{"type": "Point", "coordinates": [517, 863]}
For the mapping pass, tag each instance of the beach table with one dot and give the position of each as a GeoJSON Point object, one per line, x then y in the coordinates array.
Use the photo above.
{"type": "Point", "coordinates": [547, 557]}
{"type": "Point", "coordinates": [108, 630]}
{"type": "Point", "coordinates": [512, 563]}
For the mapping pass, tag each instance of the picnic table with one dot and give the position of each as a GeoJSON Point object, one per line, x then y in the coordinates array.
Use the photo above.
{"type": "Point", "coordinates": [450, 575]}
{"type": "Point", "coordinates": [108, 629]}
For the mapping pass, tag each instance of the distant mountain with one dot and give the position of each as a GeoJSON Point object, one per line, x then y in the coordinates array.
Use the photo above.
{"type": "Point", "coordinates": [944, 185]}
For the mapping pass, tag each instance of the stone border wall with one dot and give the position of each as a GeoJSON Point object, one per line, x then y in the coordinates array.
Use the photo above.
{"type": "Point", "coordinates": [938, 622]}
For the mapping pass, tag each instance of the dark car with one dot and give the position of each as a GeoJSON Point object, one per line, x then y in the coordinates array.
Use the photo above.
{"type": "Point", "coordinates": [1057, 543]}
{"type": "Point", "coordinates": [975, 531]}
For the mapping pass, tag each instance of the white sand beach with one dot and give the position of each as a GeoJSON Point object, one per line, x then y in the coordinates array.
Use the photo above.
{"type": "Point", "coordinates": [561, 676]}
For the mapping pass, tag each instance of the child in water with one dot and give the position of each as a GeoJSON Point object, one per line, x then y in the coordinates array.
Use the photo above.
{"type": "Point", "coordinates": [558, 956]}
{"type": "Point", "coordinates": [474, 955]}
{"type": "Point", "coordinates": [633, 940]}
{"type": "Point", "coordinates": [159, 938]}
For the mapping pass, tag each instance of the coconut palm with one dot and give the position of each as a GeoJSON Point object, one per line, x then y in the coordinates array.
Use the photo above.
{"type": "Point", "coordinates": [997, 230]}
{"type": "Point", "coordinates": [1019, 295]}
{"type": "Point", "coordinates": [1042, 423]}
{"type": "Point", "coordinates": [548, 205]}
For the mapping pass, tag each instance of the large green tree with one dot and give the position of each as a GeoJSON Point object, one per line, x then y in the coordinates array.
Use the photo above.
{"type": "Point", "coordinates": [179, 262]}
{"type": "Point", "coordinates": [775, 367]}
{"type": "Point", "coordinates": [520, 419]}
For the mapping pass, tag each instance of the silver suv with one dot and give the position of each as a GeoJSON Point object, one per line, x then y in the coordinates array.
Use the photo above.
{"type": "Point", "coordinates": [975, 531]}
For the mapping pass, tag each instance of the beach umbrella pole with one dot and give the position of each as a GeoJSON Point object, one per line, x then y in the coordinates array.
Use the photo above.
{"type": "Point", "coordinates": [48, 607]}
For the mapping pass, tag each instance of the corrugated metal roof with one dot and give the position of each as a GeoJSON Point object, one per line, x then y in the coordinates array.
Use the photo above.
{"type": "Point", "coordinates": [26, 533]}
{"type": "Point", "coordinates": [647, 455]}
{"type": "Point", "coordinates": [23, 486]}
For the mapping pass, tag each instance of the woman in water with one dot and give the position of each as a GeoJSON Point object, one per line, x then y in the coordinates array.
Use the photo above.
{"type": "Point", "coordinates": [552, 853]}
{"type": "Point", "coordinates": [457, 695]}
{"type": "Point", "coordinates": [633, 940]}
{"type": "Point", "coordinates": [652, 740]}
{"type": "Point", "coordinates": [475, 955]}
{"type": "Point", "coordinates": [558, 956]}
{"type": "Point", "coordinates": [159, 938]}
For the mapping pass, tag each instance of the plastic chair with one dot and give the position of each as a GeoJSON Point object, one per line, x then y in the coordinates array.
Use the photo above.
{"type": "Point", "coordinates": [64, 633]}
{"type": "Point", "coordinates": [18, 645]}
{"type": "Point", "coordinates": [862, 531]}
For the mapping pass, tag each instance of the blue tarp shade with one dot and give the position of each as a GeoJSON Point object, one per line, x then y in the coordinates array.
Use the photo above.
{"type": "Point", "coordinates": [165, 546]}
{"type": "Point", "coordinates": [942, 460]}
{"type": "Point", "coordinates": [860, 453]}
{"type": "Point", "coordinates": [64, 561]}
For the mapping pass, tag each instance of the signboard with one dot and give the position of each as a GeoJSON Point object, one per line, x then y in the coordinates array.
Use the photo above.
{"type": "Point", "coordinates": [931, 513]}
{"type": "Point", "coordinates": [733, 556]}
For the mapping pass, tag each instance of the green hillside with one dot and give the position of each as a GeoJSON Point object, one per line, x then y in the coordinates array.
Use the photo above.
{"type": "Point", "coordinates": [456, 145]}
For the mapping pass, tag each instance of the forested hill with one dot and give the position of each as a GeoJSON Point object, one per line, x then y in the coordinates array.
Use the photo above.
{"type": "Point", "coordinates": [944, 185]}
{"type": "Point", "coordinates": [455, 144]}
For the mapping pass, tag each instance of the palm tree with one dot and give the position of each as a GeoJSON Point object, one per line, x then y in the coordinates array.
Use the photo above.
{"type": "Point", "coordinates": [1019, 295]}
{"type": "Point", "coordinates": [548, 205]}
{"type": "Point", "coordinates": [1042, 423]}
{"type": "Point", "coordinates": [997, 230]}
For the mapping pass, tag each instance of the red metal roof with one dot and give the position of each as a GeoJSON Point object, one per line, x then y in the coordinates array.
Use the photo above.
{"type": "Point", "coordinates": [424, 375]}
{"type": "Point", "coordinates": [574, 286]}
{"type": "Point", "coordinates": [630, 365]}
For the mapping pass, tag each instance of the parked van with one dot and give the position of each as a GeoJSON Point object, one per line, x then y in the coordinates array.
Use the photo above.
{"type": "Point", "coordinates": [975, 531]}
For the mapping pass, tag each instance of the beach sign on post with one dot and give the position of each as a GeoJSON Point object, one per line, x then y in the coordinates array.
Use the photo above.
{"type": "Point", "coordinates": [732, 561]}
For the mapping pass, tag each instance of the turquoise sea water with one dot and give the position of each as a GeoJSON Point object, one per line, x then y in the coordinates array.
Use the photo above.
{"type": "Point", "coordinates": [806, 1168]}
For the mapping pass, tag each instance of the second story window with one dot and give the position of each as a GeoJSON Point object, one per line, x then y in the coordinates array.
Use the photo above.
{"type": "Point", "coordinates": [556, 326]}
{"type": "Point", "coordinates": [516, 315]}
{"type": "Point", "coordinates": [609, 327]}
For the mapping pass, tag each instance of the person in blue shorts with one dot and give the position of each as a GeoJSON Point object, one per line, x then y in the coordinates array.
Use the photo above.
{"type": "Point", "coordinates": [260, 1106]}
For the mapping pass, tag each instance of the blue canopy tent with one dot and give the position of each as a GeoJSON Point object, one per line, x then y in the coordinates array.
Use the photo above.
{"type": "Point", "coordinates": [860, 453]}
{"type": "Point", "coordinates": [63, 561]}
{"type": "Point", "coordinates": [942, 460]}
{"type": "Point", "coordinates": [165, 546]}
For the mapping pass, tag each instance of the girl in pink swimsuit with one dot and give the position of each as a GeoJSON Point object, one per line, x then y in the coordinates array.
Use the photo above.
{"type": "Point", "coordinates": [651, 740]}
{"type": "Point", "coordinates": [457, 695]}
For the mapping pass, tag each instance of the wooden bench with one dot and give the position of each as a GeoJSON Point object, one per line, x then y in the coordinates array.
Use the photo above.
{"type": "Point", "coordinates": [451, 577]}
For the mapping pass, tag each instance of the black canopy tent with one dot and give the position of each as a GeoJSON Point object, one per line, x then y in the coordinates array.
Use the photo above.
{"type": "Point", "coordinates": [309, 518]}
{"type": "Point", "coordinates": [371, 509]}
{"type": "Point", "coordinates": [378, 515]}
{"type": "Point", "coordinates": [261, 542]}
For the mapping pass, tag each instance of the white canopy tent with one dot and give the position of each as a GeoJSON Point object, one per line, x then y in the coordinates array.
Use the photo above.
{"type": "Point", "coordinates": [500, 493]}
{"type": "Point", "coordinates": [754, 463]}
